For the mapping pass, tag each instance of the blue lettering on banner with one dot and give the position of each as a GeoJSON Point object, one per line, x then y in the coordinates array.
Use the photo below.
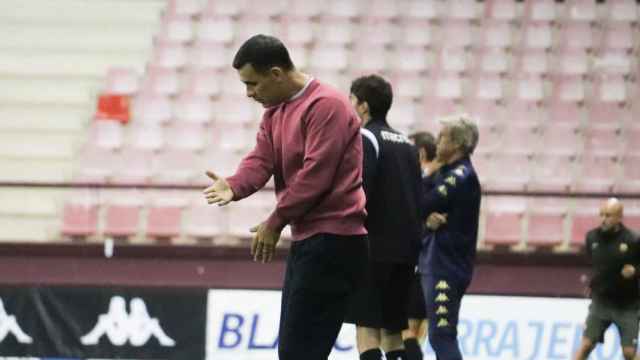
{"type": "Point", "coordinates": [557, 339]}
{"type": "Point", "coordinates": [484, 337]}
{"type": "Point", "coordinates": [231, 324]}
{"type": "Point", "coordinates": [464, 335]}
{"type": "Point", "coordinates": [538, 338]}
{"type": "Point", "coordinates": [252, 342]}
{"type": "Point", "coordinates": [509, 341]}
{"type": "Point", "coordinates": [614, 353]}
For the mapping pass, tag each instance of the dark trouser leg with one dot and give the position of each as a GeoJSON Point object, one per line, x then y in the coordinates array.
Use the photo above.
{"type": "Point", "coordinates": [442, 297]}
{"type": "Point", "coordinates": [322, 273]}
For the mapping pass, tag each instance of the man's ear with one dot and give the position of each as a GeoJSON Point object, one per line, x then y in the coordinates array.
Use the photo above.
{"type": "Point", "coordinates": [277, 73]}
{"type": "Point", "coordinates": [422, 155]}
{"type": "Point", "coordinates": [365, 107]}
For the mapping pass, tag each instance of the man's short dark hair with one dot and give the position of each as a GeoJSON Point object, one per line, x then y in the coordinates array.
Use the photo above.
{"type": "Point", "coordinates": [425, 140]}
{"type": "Point", "coordinates": [376, 91]}
{"type": "Point", "coordinates": [263, 52]}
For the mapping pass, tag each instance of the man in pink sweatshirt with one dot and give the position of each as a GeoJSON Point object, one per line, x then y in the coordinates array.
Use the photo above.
{"type": "Point", "coordinates": [309, 140]}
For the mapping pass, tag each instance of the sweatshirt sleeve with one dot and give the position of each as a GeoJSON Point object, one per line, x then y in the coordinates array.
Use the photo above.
{"type": "Point", "coordinates": [327, 132]}
{"type": "Point", "coordinates": [256, 168]}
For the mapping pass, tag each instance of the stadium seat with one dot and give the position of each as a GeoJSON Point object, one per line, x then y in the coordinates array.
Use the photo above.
{"type": "Point", "coordinates": [403, 114]}
{"type": "Point", "coordinates": [297, 31]}
{"type": "Point", "coordinates": [618, 36]}
{"type": "Point", "coordinates": [630, 180]}
{"type": "Point", "coordinates": [582, 222]}
{"type": "Point", "coordinates": [163, 222]}
{"type": "Point", "coordinates": [121, 81]}
{"type": "Point", "coordinates": [531, 62]}
{"type": "Point", "coordinates": [205, 222]}
{"type": "Point", "coordinates": [335, 32]}
{"type": "Point", "coordinates": [545, 10]}
{"type": "Point", "coordinates": [451, 60]}
{"type": "Point", "coordinates": [106, 134]}
{"type": "Point", "coordinates": [573, 62]}
{"type": "Point", "coordinates": [434, 108]}
{"type": "Point", "coordinates": [496, 34]}
{"type": "Point", "coordinates": [526, 112]}
{"type": "Point", "coordinates": [537, 35]}
{"type": "Point", "coordinates": [329, 58]}
{"type": "Point", "coordinates": [603, 141]}
{"type": "Point", "coordinates": [509, 172]}
{"type": "Point", "coordinates": [614, 62]}
{"type": "Point", "coordinates": [487, 112]}
{"type": "Point", "coordinates": [184, 7]}
{"type": "Point", "coordinates": [234, 109]}
{"type": "Point", "coordinates": [492, 60]}
{"type": "Point", "coordinates": [504, 226]}
{"type": "Point", "coordinates": [582, 10]}
{"type": "Point", "coordinates": [631, 139]}
{"type": "Point", "coordinates": [456, 34]}
{"type": "Point", "coordinates": [376, 32]}
{"type": "Point", "coordinates": [545, 228]}
{"type": "Point", "coordinates": [486, 86]}
{"type": "Point", "coordinates": [501, 9]}
{"type": "Point", "coordinates": [204, 82]}
{"type": "Point", "coordinates": [169, 55]}
{"type": "Point", "coordinates": [422, 10]}
{"type": "Point", "coordinates": [577, 35]}
{"type": "Point", "coordinates": [407, 84]}
{"type": "Point", "coordinates": [135, 167]}
{"type": "Point", "coordinates": [409, 59]}
{"type": "Point", "coordinates": [518, 138]}
{"type": "Point", "coordinates": [489, 142]}
{"type": "Point", "coordinates": [161, 81]}
{"type": "Point", "coordinates": [176, 167]}
{"type": "Point", "coordinates": [631, 220]}
{"type": "Point", "coordinates": [113, 107]}
{"type": "Point", "coordinates": [176, 29]}
{"type": "Point", "coordinates": [94, 165]}
{"type": "Point", "coordinates": [267, 8]}
{"type": "Point", "coordinates": [529, 87]}
{"type": "Point", "coordinates": [193, 109]}
{"type": "Point", "coordinates": [344, 9]}
{"type": "Point", "coordinates": [460, 10]}
{"type": "Point", "coordinates": [152, 109]}
{"type": "Point", "coordinates": [622, 11]}
{"type": "Point", "coordinates": [382, 10]}
{"type": "Point", "coordinates": [608, 106]}
{"type": "Point", "coordinates": [208, 55]}
{"type": "Point", "coordinates": [416, 33]}
{"type": "Point", "coordinates": [596, 173]}
{"type": "Point", "coordinates": [553, 172]}
{"type": "Point", "coordinates": [122, 220]}
{"type": "Point", "coordinates": [225, 8]}
{"type": "Point", "coordinates": [249, 213]}
{"type": "Point", "coordinates": [186, 136]}
{"type": "Point", "coordinates": [561, 139]}
{"type": "Point", "coordinates": [79, 220]}
{"type": "Point", "coordinates": [370, 58]}
{"type": "Point", "coordinates": [145, 137]}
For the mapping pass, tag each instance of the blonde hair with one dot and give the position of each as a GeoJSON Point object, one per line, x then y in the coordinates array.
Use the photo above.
{"type": "Point", "coordinates": [463, 131]}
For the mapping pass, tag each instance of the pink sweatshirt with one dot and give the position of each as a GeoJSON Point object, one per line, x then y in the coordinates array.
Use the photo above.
{"type": "Point", "coordinates": [312, 147]}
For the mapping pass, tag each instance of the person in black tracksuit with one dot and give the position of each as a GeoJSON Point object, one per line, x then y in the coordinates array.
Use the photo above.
{"type": "Point", "coordinates": [449, 247]}
{"type": "Point", "coordinates": [392, 183]}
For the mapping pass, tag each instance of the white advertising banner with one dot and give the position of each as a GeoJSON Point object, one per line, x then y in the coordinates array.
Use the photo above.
{"type": "Point", "coordinates": [243, 324]}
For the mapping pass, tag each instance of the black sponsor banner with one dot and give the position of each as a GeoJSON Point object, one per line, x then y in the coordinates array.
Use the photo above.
{"type": "Point", "coordinates": [129, 323]}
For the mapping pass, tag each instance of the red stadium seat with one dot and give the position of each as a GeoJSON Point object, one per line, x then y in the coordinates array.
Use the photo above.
{"type": "Point", "coordinates": [135, 167]}
{"type": "Point", "coordinates": [370, 58]}
{"type": "Point", "coordinates": [169, 55]}
{"type": "Point", "coordinates": [531, 62]}
{"type": "Point", "coordinates": [268, 8]}
{"type": "Point", "coordinates": [208, 55]}
{"type": "Point", "coordinates": [329, 58]}
{"type": "Point", "coordinates": [492, 60]}
{"type": "Point", "coordinates": [456, 34]}
{"type": "Point", "coordinates": [603, 141]}
{"type": "Point", "coordinates": [163, 222]}
{"type": "Point", "coordinates": [561, 139]}
{"type": "Point", "coordinates": [79, 220]}
{"type": "Point", "coordinates": [614, 62]}
{"type": "Point", "coordinates": [451, 60]}
{"type": "Point", "coordinates": [573, 62]}
{"type": "Point", "coordinates": [204, 82]}
{"type": "Point", "coordinates": [618, 36]}
{"type": "Point", "coordinates": [409, 59]}
{"type": "Point", "coordinates": [234, 109]}
{"type": "Point", "coordinates": [608, 107]}
{"type": "Point", "coordinates": [546, 217]}
{"type": "Point", "coordinates": [423, 10]}
{"type": "Point", "coordinates": [504, 226]}
{"type": "Point", "coordinates": [113, 107]}
{"type": "Point", "coordinates": [225, 8]}
{"type": "Point", "coordinates": [597, 173]}
{"type": "Point", "coordinates": [205, 222]}
{"type": "Point", "coordinates": [460, 10]}
{"type": "Point", "coordinates": [122, 220]}
{"type": "Point", "coordinates": [581, 225]}
{"type": "Point", "coordinates": [249, 213]}
{"type": "Point", "coordinates": [509, 172]}
{"type": "Point", "coordinates": [148, 137]}
{"type": "Point", "coordinates": [630, 179]}
{"type": "Point", "coordinates": [345, 9]}
{"type": "Point", "coordinates": [297, 31]}
{"type": "Point", "coordinates": [376, 32]}
{"type": "Point", "coordinates": [553, 172]}
{"type": "Point", "coordinates": [95, 165]}
{"type": "Point", "coordinates": [183, 7]}
{"type": "Point", "coordinates": [415, 32]}
{"type": "Point", "coordinates": [382, 9]}
{"type": "Point", "coordinates": [335, 31]}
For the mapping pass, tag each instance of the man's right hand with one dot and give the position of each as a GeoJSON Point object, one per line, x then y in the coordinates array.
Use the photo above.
{"type": "Point", "coordinates": [220, 192]}
{"type": "Point", "coordinates": [435, 220]}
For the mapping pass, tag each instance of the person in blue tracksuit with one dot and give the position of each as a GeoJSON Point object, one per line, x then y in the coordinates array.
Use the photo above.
{"type": "Point", "coordinates": [452, 210]}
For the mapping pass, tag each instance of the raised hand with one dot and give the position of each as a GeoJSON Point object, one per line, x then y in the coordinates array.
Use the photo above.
{"type": "Point", "coordinates": [220, 192]}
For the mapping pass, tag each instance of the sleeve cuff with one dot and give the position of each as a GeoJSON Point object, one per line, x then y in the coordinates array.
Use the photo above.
{"type": "Point", "coordinates": [234, 188]}
{"type": "Point", "coordinates": [275, 222]}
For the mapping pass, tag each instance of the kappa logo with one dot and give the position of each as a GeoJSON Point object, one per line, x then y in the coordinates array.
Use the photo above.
{"type": "Point", "coordinates": [9, 325]}
{"type": "Point", "coordinates": [136, 327]}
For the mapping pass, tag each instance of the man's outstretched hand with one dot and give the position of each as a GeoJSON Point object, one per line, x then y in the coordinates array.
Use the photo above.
{"type": "Point", "coordinates": [220, 192]}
